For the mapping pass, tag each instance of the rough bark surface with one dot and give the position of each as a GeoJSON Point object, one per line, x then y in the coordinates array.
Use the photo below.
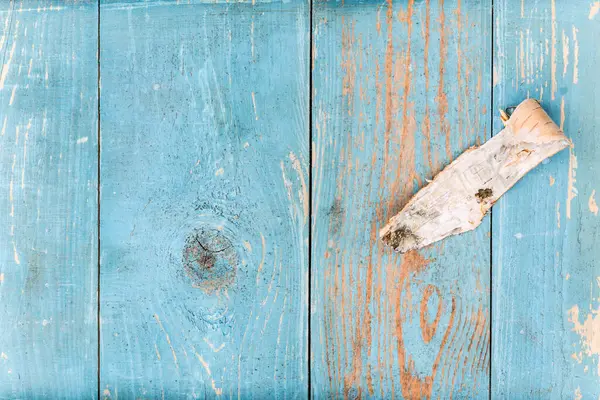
{"type": "Point", "coordinates": [459, 197]}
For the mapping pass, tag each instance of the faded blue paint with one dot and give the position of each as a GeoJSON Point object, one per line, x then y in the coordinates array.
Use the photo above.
{"type": "Point", "coordinates": [48, 165]}
{"type": "Point", "coordinates": [367, 338]}
{"type": "Point", "coordinates": [204, 213]}
{"type": "Point", "coordinates": [545, 261]}
{"type": "Point", "coordinates": [204, 132]}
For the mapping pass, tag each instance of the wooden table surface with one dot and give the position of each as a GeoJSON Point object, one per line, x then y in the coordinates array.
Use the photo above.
{"type": "Point", "coordinates": [192, 190]}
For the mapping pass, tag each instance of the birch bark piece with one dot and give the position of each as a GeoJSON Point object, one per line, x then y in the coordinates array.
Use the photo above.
{"type": "Point", "coordinates": [460, 195]}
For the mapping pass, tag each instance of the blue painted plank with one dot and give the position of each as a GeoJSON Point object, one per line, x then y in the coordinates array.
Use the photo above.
{"type": "Point", "coordinates": [204, 190]}
{"type": "Point", "coordinates": [400, 89]}
{"type": "Point", "coordinates": [545, 268]}
{"type": "Point", "coordinates": [48, 165]}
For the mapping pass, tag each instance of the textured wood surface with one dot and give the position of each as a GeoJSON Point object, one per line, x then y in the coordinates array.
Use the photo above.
{"type": "Point", "coordinates": [48, 164]}
{"type": "Point", "coordinates": [204, 213]}
{"type": "Point", "coordinates": [206, 200]}
{"type": "Point", "coordinates": [546, 287]}
{"type": "Point", "coordinates": [399, 90]}
{"type": "Point", "coordinates": [462, 194]}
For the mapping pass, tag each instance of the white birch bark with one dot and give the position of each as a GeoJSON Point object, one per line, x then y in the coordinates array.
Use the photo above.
{"type": "Point", "coordinates": [459, 196]}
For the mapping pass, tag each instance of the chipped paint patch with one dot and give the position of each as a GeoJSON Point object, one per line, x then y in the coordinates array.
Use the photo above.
{"type": "Point", "coordinates": [552, 180]}
{"type": "Point", "coordinates": [82, 140]}
{"type": "Point", "coordinates": [157, 352]}
{"type": "Point", "coordinates": [254, 105]}
{"type": "Point", "coordinates": [575, 56]}
{"type": "Point", "coordinates": [587, 331]}
{"type": "Point", "coordinates": [303, 193]}
{"type": "Point", "coordinates": [12, 95]}
{"type": "Point", "coordinates": [219, 172]}
{"type": "Point", "coordinates": [6, 65]}
{"type": "Point", "coordinates": [16, 254]}
{"type": "Point", "coordinates": [592, 203]}
{"type": "Point", "coordinates": [571, 190]}
{"type": "Point", "coordinates": [594, 9]}
{"type": "Point", "coordinates": [218, 391]}
{"type": "Point", "coordinates": [495, 77]}
{"type": "Point", "coordinates": [565, 43]}
{"type": "Point", "coordinates": [162, 328]}
{"type": "Point", "coordinates": [212, 346]}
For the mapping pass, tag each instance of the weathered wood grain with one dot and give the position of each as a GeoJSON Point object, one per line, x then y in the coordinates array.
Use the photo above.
{"type": "Point", "coordinates": [48, 165]}
{"type": "Point", "coordinates": [204, 213]}
{"type": "Point", "coordinates": [399, 90]}
{"type": "Point", "coordinates": [546, 307]}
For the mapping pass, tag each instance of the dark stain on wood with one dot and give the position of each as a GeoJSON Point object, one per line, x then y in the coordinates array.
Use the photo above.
{"type": "Point", "coordinates": [483, 194]}
{"type": "Point", "coordinates": [33, 282]}
{"type": "Point", "coordinates": [402, 234]}
{"type": "Point", "coordinates": [209, 260]}
{"type": "Point", "coordinates": [336, 214]}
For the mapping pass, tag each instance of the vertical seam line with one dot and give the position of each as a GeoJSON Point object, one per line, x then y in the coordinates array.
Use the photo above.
{"type": "Point", "coordinates": [310, 166]}
{"type": "Point", "coordinates": [492, 209]}
{"type": "Point", "coordinates": [98, 204]}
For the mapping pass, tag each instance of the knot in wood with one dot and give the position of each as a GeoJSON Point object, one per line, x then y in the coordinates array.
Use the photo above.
{"type": "Point", "coordinates": [209, 260]}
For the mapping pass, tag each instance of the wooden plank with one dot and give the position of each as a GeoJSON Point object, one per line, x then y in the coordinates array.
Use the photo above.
{"type": "Point", "coordinates": [48, 165]}
{"type": "Point", "coordinates": [545, 272]}
{"type": "Point", "coordinates": [399, 90]}
{"type": "Point", "coordinates": [204, 213]}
